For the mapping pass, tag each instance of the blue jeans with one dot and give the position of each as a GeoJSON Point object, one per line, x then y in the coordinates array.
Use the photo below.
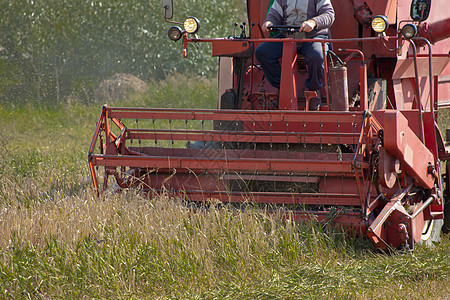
{"type": "Point", "coordinates": [268, 54]}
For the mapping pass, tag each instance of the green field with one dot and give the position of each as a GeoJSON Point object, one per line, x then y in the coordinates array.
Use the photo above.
{"type": "Point", "coordinates": [58, 240]}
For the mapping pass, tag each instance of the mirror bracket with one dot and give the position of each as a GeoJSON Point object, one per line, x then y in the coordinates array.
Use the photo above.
{"type": "Point", "coordinates": [420, 10]}
{"type": "Point", "coordinates": [168, 9]}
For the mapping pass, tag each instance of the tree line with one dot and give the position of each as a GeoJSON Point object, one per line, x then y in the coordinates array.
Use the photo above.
{"type": "Point", "coordinates": [51, 49]}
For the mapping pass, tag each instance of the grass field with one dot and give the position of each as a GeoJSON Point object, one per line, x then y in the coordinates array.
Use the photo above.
{"type": "Point", "coordinates": [58, 240]}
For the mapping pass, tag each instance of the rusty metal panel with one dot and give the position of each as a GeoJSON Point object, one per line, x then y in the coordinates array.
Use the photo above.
{"type": "Point", "coordinates": [405, 67]}
{"type": "Point", "coordinates": [234, 48]}
{"type": "Point", "coordinates": [387, 8]}
{"type": "Point", "coordinates": [401, 142]}
{"type": "Point", "coordinates": [257, 11]}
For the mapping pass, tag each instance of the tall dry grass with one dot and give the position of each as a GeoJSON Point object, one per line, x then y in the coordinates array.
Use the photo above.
{"type": "Point", "coordinates": [58, 240]}
{"type": "Point", "coordinates": [128, 246]}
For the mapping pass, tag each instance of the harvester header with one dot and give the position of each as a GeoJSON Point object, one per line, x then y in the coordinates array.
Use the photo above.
{"type": "Point", "coordinates": [370, 156]}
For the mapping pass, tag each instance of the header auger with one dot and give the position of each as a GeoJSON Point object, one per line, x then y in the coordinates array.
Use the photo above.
{"type": "Point", "coordinates": [370, 158]}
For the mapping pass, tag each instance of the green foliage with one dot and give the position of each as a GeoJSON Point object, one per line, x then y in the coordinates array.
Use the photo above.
{"type": "Point", "coordinates": [52, 49]}
{"type": "Point", "coordinates": [178, 91]}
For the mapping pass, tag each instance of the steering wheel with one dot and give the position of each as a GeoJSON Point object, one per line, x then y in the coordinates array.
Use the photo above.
{"type": "Point", "coordinates": [285, 28]}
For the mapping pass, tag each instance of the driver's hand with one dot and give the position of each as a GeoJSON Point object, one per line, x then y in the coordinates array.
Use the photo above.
{"type": "Point", "coordinates": [307, 26]}
{"type": "Point", "coordinates": [265, 26]}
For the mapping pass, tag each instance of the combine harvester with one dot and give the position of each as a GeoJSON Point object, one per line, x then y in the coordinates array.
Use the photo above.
{"type": "Point", "coordinates": [371, 158]}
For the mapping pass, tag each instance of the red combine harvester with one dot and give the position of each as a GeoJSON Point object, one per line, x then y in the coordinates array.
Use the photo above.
{"type": "Point", "coordinates": [370, 158]}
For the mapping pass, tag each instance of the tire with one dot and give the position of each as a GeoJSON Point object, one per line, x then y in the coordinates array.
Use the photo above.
{"type": "Point", "coordinates": [446, 227]}
{"type": "Point", "coordinates": [431, 232]}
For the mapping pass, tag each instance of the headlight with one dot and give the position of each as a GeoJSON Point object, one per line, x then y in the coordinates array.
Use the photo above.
{"type": "Point", "coordinates": [191, 25]}
{"type": "Point", "coordinates": [174, 33]}
{"type": "Point", "coordinates": [409, 31]}
{"type": "Point", "coordinates": [380, 24]}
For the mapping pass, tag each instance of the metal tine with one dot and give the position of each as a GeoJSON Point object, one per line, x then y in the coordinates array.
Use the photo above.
{"type": "Point", "coordinates": [236, 129]}
{"type": "Point", "coordinates": [291, 173]}
{"type": "Point", "coordinates": [321, 144]}
{"type": "Point", "coordinates": [188, 143]}
{"type": "Point", "coordinates": [203, 129]}
{"type": "Point", "coordinates": [271, 144]}
{"type": "Point", "coordinates": [254, 137]}
{"type": "Point", "coordinates": [171, 137]}
{"type": "Point", "coordinates": [139, 140]}
{"type": "Point", "coordinates": [339, 150]}
{"type": "Point", "coordinates": [287, 140]}
{"type": "Point", "coordinates": [274, 181]}
{"type": "Point", "coordinates": [154, 132]}
{"type": "Point", "coordinates": [304, 139]}
{"type": "Point", "coordinates": [340, 154]}
{"type": "Point", "coordinates": [131, 142]}
{"type": "Point", "coordinates": [222, 145]}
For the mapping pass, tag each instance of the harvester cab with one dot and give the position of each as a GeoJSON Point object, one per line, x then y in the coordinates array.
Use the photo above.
{"type": "Point", "coordinates": [370, 158]}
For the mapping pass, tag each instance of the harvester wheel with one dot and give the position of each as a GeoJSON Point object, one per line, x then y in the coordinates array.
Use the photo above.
{"type": "Point", "coordinates": [431, 232]}
{"type": "Point", "coordinates": [446, 227]}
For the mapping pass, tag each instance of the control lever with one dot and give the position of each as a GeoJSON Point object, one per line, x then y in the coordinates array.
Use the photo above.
{"type": "Point", "coordinates": [250, 31]}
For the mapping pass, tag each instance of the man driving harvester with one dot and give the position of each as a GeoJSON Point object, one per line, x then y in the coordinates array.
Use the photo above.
{"type": "Point", "coordinates": [313, 19]}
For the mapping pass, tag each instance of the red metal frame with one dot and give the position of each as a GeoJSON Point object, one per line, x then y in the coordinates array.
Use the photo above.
{"type": "Point", "coordinates": [378, 171]}
{"type": "Point", "coordinates": [207, 172]}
